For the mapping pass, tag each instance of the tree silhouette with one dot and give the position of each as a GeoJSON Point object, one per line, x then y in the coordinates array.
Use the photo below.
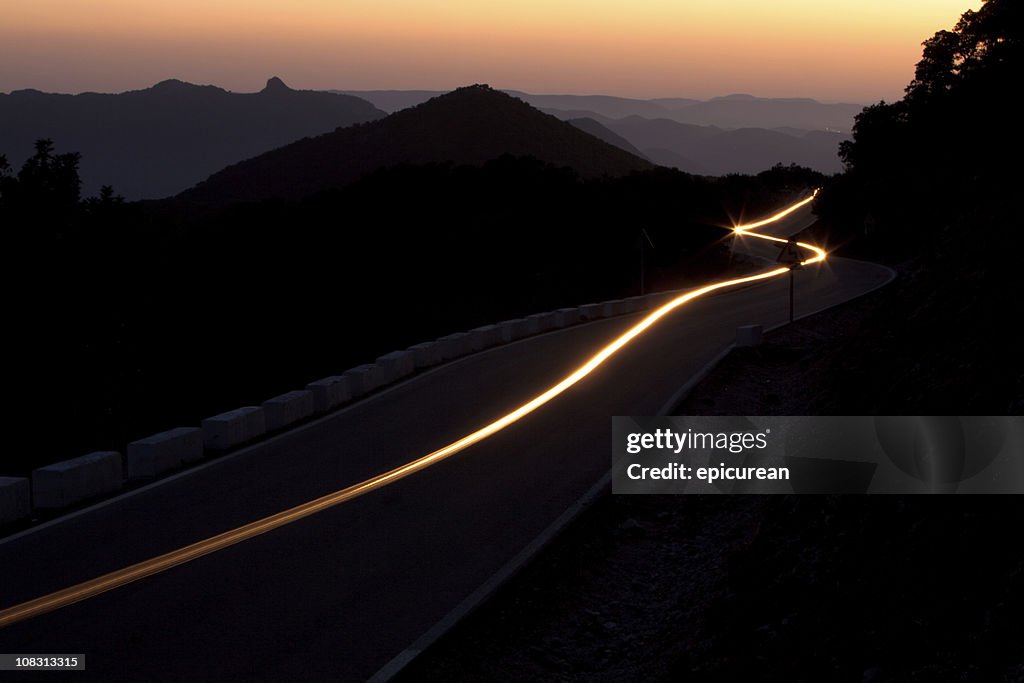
{"type": "Point", "coordinates": [949, 141]}
{"type": "Point", "coordinates": [43, 198]}
{"type": "Point", "coordinates": [51, 178]}
{"type": "Point", "coordinates": [7, 183]}
{"type": "Point", "coordinates": [984, 45]}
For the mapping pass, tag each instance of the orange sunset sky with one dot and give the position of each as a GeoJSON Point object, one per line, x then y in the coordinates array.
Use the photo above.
{"type": "Point", "coordinates": [856, 50]}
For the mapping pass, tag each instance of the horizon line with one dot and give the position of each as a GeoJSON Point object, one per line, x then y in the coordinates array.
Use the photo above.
{"type": "Point", "coordinates": [448, 90]}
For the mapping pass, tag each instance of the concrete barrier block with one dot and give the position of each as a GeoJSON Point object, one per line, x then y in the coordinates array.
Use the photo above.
{"type": "Point", "coordinates": [159, 453]}
{"type": "Point", "coordinates": [234, 428]}
{"type": "Point", "coordinates": [485, 336]}
{"type": "Point", "coordinates": [328, 394]}
{"type": "Point", "coordinates": [362, 379]}
{"type": "Point", "coordinates": [505, 332]}
{"type": "Point", "coordinates": [502, 334]}
{"type": "Point", "coordinates": [295, 406]}
{"type": "Point", "coordinates": [511, 330]}
{"type": "Point", "coordinates": [394, 366]}
{"type": "Point", "coordinates": [564, 317]}
{"type": "Point", "coordinates": [15, 499]}
{"type": "Point", "coordinates": [497, 334]}
{"type": "Point", "coordinates": [545, 321]}
{"type": "Point", "coordinates": [532, 324]}
{"type": "Point", "coordinates": [618, 307]}
{"type": "Point", "coordinates": [749, 335]}
{"type": "Point", "coordinates": [635, 304]}
{"type": "Point", "coordinates": [474, 342]}
{"type": "Point", "coordinates": [454, 346]}
{"type": "Point", "coordinates": [425, 355]}
{"type": "Point", "coordinates": [659, 299]}
{"type": "Point", "coordinates": [72, 481]}
{"type": "Point", "coordinates": [524, 327]}
{"type": "Point", "coordinates": [592, 311]}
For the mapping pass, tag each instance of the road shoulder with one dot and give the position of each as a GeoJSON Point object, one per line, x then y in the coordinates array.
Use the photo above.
{"type": "Point", "coordinates": [732, 588]}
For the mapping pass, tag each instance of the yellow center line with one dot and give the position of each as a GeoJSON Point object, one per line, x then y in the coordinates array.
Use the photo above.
{"type": "Point", "coordinates": [160, 563]}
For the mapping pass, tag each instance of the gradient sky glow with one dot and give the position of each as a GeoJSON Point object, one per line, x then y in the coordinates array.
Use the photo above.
{"type": "Point", "coordinates": [854, 50]}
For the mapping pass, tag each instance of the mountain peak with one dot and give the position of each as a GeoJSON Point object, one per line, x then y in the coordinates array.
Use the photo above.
{"type": "Point", "coordinates": [476, 91]}
{"type": "Point", "coordinates": [468, 126]}
{"type": "Point", "coordinates": [172, 85]}
{"type": "Point", "coordinates": [275, 85]}
{"type": "Point", "coordinates": [476, 87]}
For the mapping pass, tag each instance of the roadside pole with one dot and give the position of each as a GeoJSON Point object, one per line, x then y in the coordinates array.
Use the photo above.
{"type": "Point", "coordinates": [791, 279]}
{"type": "Point", "coordinates": [643, 274]}
{"type": "Point", "coordinates": [790, 256]}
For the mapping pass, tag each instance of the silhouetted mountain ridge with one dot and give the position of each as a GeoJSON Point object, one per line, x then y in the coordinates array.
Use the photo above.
{"type": "Point", "coordinates": [172, 86]}
{"type": "Point", "coordinates": [710, 150]}
{"type": "Point", "coordinates": [728, 111]}
{"type": "Point", "coordinates": [599, 130]}
{"type": "Point", "coordinates": [738, 133]}
{"type": "Point", "coordinates": [470, 125]}
{"type": "Point", "coordinates": [275, 85]}
{"type": "Point", "coordinates": [157, 141]}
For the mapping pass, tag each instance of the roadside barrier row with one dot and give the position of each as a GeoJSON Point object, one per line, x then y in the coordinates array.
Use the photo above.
{"type": "Point", "coordinates": [72, 482]}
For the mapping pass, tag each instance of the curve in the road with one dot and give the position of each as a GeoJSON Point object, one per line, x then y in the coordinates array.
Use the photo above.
{"type": "Point", "coordinates": [160, 563]}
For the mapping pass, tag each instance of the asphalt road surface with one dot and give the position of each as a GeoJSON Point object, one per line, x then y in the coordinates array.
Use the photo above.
{"type": "Point", "coordinates": [338, 594]}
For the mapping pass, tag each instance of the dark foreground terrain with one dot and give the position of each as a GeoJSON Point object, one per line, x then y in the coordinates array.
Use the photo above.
{"type": "Point", "coordinates": [795, 588]}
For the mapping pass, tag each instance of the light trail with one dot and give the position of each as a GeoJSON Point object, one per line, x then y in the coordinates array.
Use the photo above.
{"type": "Point", "coordinates": [160, 563]}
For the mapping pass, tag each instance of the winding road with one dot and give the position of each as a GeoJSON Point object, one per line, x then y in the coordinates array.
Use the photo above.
{"type": "Point", "coordinates": [373, 523]}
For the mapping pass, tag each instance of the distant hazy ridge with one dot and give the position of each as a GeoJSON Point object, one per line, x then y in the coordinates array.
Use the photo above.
{"type": "Point", "coordinates": [156, 142]}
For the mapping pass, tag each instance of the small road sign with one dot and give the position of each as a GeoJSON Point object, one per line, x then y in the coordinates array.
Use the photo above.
{"type": "Point", "coordinates": [790, 254]}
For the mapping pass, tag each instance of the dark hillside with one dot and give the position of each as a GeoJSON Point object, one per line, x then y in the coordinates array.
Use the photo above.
{"type": "Point", "coordinates": [470, 125]}
{"type": "Point", "coordinates": [158, 141]}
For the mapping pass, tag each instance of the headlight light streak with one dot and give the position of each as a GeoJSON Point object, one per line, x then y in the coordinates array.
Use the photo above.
{"type": "Point", "coordinates": [160, 563]}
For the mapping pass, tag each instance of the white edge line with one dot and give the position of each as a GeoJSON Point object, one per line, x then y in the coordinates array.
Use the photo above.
{"type": "Point", "coordinates": [488, 587]}
{"type": "Point", "coordinates": [475, 599]}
